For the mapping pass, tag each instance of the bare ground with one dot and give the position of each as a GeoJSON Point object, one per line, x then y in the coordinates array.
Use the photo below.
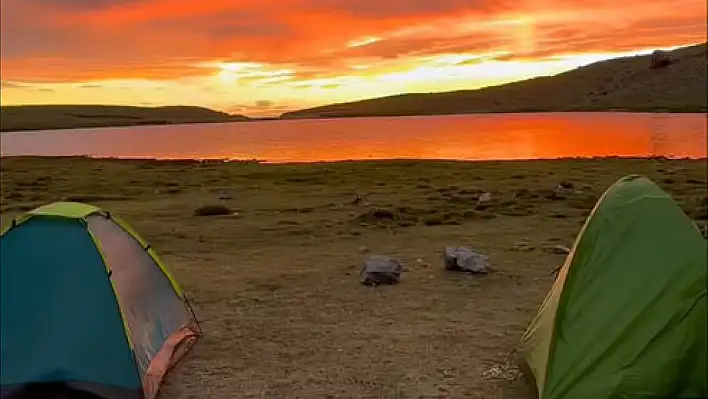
{"type": "Point", "coordinates": [275, 281]}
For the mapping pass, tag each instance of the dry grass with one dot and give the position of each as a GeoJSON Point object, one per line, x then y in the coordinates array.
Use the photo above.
{"type": "Point", "coordinates": [277, 290]}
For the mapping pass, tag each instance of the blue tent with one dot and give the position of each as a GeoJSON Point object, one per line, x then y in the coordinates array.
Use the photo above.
{"type": "Point", "coordinates": [86, 305]}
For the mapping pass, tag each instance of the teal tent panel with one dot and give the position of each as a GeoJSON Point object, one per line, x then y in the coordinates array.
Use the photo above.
{"type": "Point", "coordinates": [152, 308]}
{"type": "Point", "coordinates": [59, 318]}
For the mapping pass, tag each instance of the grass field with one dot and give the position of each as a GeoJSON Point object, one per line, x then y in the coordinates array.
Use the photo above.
{"type": "Point", "coordinates": [273, 270]}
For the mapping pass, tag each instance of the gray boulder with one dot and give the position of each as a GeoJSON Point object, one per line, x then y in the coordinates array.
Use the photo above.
{"type": "Point", "coordinates": [378, 269]}
{"type": "Point", "coordinates": [466, 260]}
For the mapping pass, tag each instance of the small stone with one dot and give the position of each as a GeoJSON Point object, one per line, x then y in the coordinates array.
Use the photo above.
{"type": "Point", "coordinates": [485, 197]}
{"type": "Point", "coordinates": [364, 249]}
{"type": "Point", "coordinates": [378, 269]}
{"type": "Point", "coordinates": [466, 260]}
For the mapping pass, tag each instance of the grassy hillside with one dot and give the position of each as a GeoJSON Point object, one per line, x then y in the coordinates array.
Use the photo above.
{"type": "Point", "coordinates": [37, 117]}
{"type": "Point", "coordinates": [626, 84]}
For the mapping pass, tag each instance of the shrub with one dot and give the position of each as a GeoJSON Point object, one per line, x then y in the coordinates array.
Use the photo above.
{"type": "Point", "coordinates": [212, 210]}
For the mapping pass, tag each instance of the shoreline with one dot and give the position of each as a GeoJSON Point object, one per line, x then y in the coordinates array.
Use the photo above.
{"type": "Point", "coordinates": [699, 110]}
{"type": "Point", "coordinates": [340, 117]}
{"type": "Point", "coordinates": [110, 126]}
{"type": "Point", "coordinates": [385, 161]}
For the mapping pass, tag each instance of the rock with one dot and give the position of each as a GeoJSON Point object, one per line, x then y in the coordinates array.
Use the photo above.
{"type": "Point", "coordinates": [466, 260]}
{"type": "Point", "coordinates": [485, 197]}
{"type": "Point", "coordinates": [364, 249]}
{"type": "Point", "coordinates": [378, 269]}
{"type": "Point", "coordinates": [660, 59]}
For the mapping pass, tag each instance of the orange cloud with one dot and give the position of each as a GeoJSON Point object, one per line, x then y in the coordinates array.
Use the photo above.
{"type": "Point", "coordinates": [328, 45]}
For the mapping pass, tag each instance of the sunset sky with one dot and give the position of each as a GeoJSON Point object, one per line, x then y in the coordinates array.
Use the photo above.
{"type": "Point", "coordinates": [261, 58]}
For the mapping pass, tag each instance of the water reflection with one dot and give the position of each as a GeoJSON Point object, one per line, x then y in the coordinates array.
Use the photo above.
{"type": "Point", "coordinates": [469, 137]}
{"type": "Point", "coordinates": [659, 136]}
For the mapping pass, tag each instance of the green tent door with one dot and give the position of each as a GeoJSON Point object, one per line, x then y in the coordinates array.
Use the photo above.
{"type": "Point", "coordinates": [626, 317]}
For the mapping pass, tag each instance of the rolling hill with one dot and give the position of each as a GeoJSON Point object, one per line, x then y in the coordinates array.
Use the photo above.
{"type": "Point", "coordinates": [38, 117]}
{"type": "Point", "coordinates": [620, 84]}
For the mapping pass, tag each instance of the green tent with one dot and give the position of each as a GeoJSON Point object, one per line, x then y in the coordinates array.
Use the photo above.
{"type": "Point", "coordinates": [86, 306]}
{"type": "Point", "coordinates": [626, 316]}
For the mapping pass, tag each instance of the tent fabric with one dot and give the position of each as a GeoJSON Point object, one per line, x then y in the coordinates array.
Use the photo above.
{"type": "Point", "coordinates": [59, 323]}
{"type": "Point", "coordinates": [626, 316]}
{"type": "Point", "coordinates": [151, 306]}
{"type": "Point", "coordinates": [86, 302]}
{"type": "Point", "coordinates": [72, 210]}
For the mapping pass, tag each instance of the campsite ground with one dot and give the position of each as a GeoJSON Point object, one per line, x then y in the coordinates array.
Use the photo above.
{"type": "Point", "coordinates": [275, 283]}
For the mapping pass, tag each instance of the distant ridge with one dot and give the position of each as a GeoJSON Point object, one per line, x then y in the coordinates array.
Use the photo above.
{"type": "Point", "coordinates": [38, 117]}
{"type": "Point", "coordinates": [619, 84]}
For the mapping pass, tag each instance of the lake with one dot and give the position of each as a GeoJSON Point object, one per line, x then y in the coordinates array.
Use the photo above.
{"type": "Point", "coordinates": [464, 137]}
